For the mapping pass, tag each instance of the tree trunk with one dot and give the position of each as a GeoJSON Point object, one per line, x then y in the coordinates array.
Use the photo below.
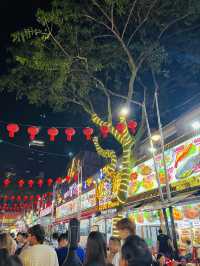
{"type": "Point", "coordinates": [125, 174]}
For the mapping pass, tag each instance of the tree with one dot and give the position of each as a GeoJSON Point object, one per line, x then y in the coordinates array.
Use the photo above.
{"type": "Point", "coordinates": [97, 55]}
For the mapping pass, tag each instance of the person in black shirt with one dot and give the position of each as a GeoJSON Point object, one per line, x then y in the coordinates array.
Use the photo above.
{"type": "Point", "coordinates": [164, 245]}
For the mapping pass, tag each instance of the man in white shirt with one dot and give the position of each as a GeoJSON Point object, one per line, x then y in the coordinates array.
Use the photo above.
{"type": "Point", "coordinates": [38, 254]}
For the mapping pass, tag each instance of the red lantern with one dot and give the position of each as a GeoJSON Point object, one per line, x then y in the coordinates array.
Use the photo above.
{"type": "Point", "coordinates": [6, 197]}
{"type": "Point", "coordinates": [37, 197]}
{"type": "Point", "coordinates": [25, 198]}
{"type": "Point", "coordinates": [6, 182]}
{"type": "Point", "coordinates": [52, 132]}
{"type": "Point", "coordinates": [31, 197]}
{"type": "Point", "coordinates": [33, 131]}
{"type": "Point", "coordinates": [49, 182]}
{"type": "Point", "coordinates": [49, 194]}
{"type": "Point", "coordinates": [76, 177]}
{"type": "Point", "coordinates": [12, 198]}
{"type": "Point", "coordinates": [120, 127]}
{"type": "Point", "coordinates": [21, 183]}
{"type": "Point", "coordinates": [88, 131]}
{"type": "Point", "coordinates": [132, 125]}
{"type": "Point", "coordinates": [12, 129]}
{"type": "Point", "coordinates": [30, 183]}
{"type": "Point", "coordinates": [67, 178]}
{"type": "Point", "coordinates": [19, 198]}
{"type": "Point", "coordinates": [45, 196]}
{"type": "Point", "coordinates": [40, 183]}
{"type": "Point", "coordinates": [104, 131]}
{"type": "Point", "coordinates": [59, 180]}
{"type": "Point", "coordinates": [70, 132]}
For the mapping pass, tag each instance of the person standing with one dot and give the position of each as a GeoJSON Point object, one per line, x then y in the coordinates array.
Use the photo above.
{"type": "Point", "coordinates": [95, 250]}
{"type": "Point", "coordinates": [62, 250]}
{"type": "Point", "coordinates": [164, 245]}
{"type": "Point", "coordinates": [24, 245]}
{"type": "Point", "coordinates": [135, 252]}
{"type": "Point", "coordinates": [114, 250]}
{"type": "Point", "coordinates": [38, 254]}
{"type": "Point", "coordinates": [126, 228]}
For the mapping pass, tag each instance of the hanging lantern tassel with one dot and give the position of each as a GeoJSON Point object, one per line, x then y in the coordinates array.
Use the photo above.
{"type": "Point", "coordinates": [120, 128]}
{"type": "Point", "coordinates": [53, 132]}
{"type": "Point", "coordinates": [104, 131]}
{"type": "Point", "coordinates": [12, 129]}
{"type": "Point", "coordinates": [132, 125]}
{"type": "Point", "coordinates": [32, 131]}
{"type": "Point", "coordinates": [88, 131]}
{"type": "Point", "coordinates": [21, 183]}
{"type": "Point", "coordinates": [40, 183]}
{"type": "Point", "coordinates": [70, 132]}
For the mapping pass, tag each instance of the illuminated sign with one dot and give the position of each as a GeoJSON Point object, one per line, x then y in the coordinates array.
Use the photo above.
{"type": "Point", "coordinates": [86, 201]}
{"type": "Point", "coordinates": [72, 191]}
{"type": "Point", "coordinates": [45, 211]}
{"type": "Point", "coordinates": [183, 169]}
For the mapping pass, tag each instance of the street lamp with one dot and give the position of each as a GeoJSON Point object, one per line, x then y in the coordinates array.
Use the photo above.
{"type": "Point", "coordinates": [124, 111]}
{"type": "Point", "coordinates": [156, 137]}
{"type": "Point", "coordinates": [196, 125]}
{"type": "Point", "coordinates": [152, 150]}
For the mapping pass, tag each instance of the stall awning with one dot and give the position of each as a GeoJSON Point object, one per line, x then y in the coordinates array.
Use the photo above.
{"type": "Point", "coordinates": [157, 204]}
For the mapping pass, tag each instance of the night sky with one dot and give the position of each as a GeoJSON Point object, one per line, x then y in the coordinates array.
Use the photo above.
{"type": "Point", "coordinates": [15, 155]}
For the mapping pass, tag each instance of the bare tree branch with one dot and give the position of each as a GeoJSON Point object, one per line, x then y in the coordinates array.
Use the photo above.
{"type": "Point", "coordinates": [128, 19]}
{"type": "Point", "coordinates": [105, 90]}
{"type": "Point", "coordinates": [142, 23]}
{"type": "Point", "coordinates": [124, 97]}
{"type": "Point", "coordinates": [171, 24]}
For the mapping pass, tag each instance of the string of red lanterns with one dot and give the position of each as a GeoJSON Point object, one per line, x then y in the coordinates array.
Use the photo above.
{"type": "Point", "coordinates": [70, 132]}
{"type": "Point", "coordinates": [40, 182]}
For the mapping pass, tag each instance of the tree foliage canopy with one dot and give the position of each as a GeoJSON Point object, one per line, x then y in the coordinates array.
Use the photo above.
{"type": "Point", "coordinates": [95, 53]}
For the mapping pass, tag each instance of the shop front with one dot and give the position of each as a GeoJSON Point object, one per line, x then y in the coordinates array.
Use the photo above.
{"type": "Point", "coordinates": [183, 169]}
{"type": "Point", "coordinates": [46, 219]}
{"type": "Point", "coordinates": [82, 207]}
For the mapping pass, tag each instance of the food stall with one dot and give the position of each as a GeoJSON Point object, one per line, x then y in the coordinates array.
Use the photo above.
{"type": "Point", "coordinates": [45, 219]}
{"type": "Point", "coordinates": [183, 169]}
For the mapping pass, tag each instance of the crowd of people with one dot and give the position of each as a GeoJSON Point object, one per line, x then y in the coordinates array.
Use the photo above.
{"type": "Point", "coordinates": [32, 249]}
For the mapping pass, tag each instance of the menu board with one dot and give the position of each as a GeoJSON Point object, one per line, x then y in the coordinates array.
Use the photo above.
{"type": "Point", "coordinates": [182, 162]}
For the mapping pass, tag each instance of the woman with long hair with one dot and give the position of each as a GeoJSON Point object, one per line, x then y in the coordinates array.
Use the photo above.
{"type": "Point", "coordinates": [6, 242]}
{"type": "Point", "coordinates": [95, 250]}
{"type": "Point", "coordinates": [6, 260]}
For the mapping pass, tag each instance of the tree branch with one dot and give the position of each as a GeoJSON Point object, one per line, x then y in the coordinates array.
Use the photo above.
{"type": "Point", "coordinates": [142, 23]}
{"type": "Point", "coordinates": [105, 90]}
{"type": "Point", "coordinates": [171, 24]}
{"type": "Point", "coordinates": [128, 19]}
{"type": "Point", "coordinates": [124, 97]}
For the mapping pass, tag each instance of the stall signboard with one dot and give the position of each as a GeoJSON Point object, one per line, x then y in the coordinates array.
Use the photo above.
{"type": "Point", "coordinates": [71, 192]}
{"type": "Point", "coordinates": [106, 193]}
{"type": "Point", "coordinates": [88, 200]}
{"type": "Point", "coordinates": [85, 201]}
{"type": "Point", "coordinates": [183, 169]}
{"type": "Point", "coordinates": [67, 209]}
{"type": "Point", "coordinates": [46, 211]}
